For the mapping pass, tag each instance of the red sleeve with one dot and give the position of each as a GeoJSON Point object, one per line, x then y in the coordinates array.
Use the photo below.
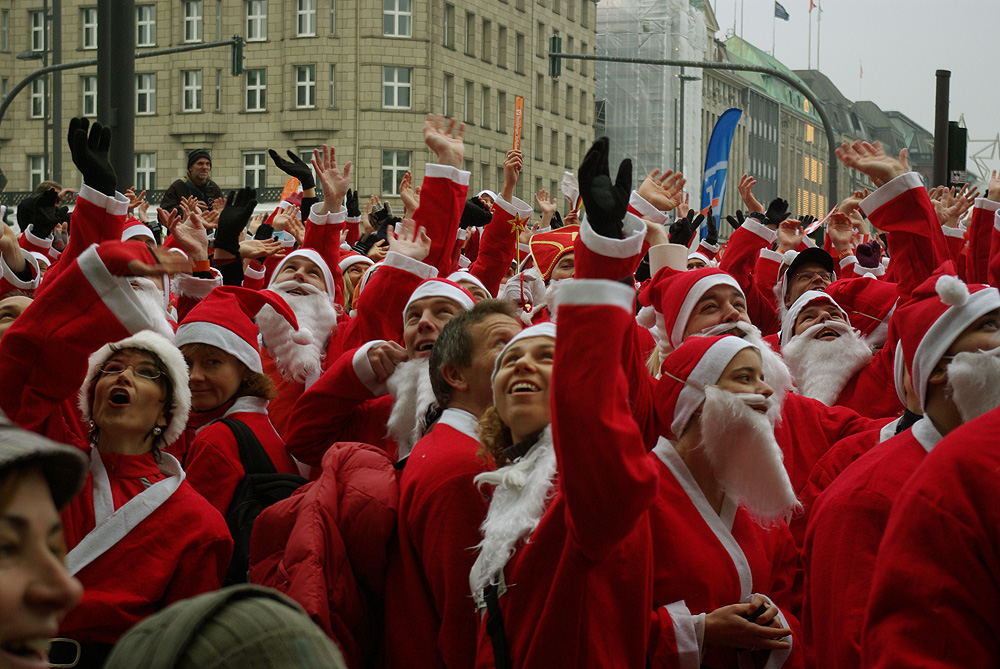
{"type": "Point", "coordinates": [743, 249]}
{"type": "Point", "coordinates": [499, 242]}
{"type": "Point", "coordinates": [955, 240]}
{"type": "Point", "coordinates": [993, 272]}
{"type": "Point", "coordinates": [442, 201]}
{"type": "Point", "coordinates": [323, 233]}
{"type": "Point", "coordinates": [980, 240]}
{"type": "Point", "coordinates": [213, 466]}
{"type": "Point", "coordinates": [353, 230]}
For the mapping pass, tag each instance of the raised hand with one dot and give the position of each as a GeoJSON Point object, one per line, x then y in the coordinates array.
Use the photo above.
{"type": "Point", "coordinates": [445, 141]}
{"type": "Point", "coordinates": [840, 230]}
{"type": "Point", "coordinates": [234, 218]}
{"type": "Point", "coordinates": [294, 167]}
{"type": "Point", "coordinates": [745, 187]}
{"type": "Point", "coordinates": [384, 358]}
{"type": "Point", "coordinates": [133, 199]}
{"type": "Point", "coordinates": [260, 248]}
{"type": "Point", "coordinates": [777, 213]}
{"type": "Point", "coordinates": [90, 155]}
{"type": "Point", "coordinates": [475, 215]}
{"type": "Point", "coordinates": [684, 206]}
{"type": "Point", "coordinates": [512, 164]}
{"type": "Point", "coordinates": [872, 161]}
{"type": "Point", "coordinates": [711, 230]}
{"type": "Point", "coordinates": [353, 210]}
{"type": "Point", "coordinates": [663, 191]}
{"type": "Point", "coordinates": [548, 206]}
{"type": "Point", "coordinates": [683, 229]}
{"type": "Point", "coordinates": [606, 202]}
{"type": "Point", "coordinates": [333, 181]}
{"type": "Point", "coordinates": [736, 221]}
{"type": "Point", "coordinates": [409, 240]}
{"type": "Point", "coordinates": [993, 190]}
{"type": "Point", "coordinates": [790, 234]}
{"type": "Point", "coordinates": [189, 231]}
{"type": "Point", "coordinates": [408, 195]}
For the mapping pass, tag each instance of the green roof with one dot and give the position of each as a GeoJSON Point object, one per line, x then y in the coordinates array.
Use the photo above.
{"type": "Point", "coordinates": [743, 52]}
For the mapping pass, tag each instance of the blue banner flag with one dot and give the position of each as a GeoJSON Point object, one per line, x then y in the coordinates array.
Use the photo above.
{"type": "Point", "coordinates": [780, 12]}
{"type": "Point", "coordinates": [717, 161]}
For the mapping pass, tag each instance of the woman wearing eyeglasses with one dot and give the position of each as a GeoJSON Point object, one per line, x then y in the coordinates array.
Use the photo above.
{"type": "Point", "coordinates": [139, 537]}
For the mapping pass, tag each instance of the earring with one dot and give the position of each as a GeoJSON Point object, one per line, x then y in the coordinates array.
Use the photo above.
{"type": "Point", "coordinates": [157, 431]}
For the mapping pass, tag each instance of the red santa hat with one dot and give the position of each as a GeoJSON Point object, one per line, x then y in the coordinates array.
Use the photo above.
{"type": "Point", "coordinates": [868, 302]}
{"type": "Point", "coordinates": [696, 363]}
{"type": "Point", "coordinates": [462, 275]}
{"type": "Point", "coordinates": [223, 320]}
{"type": "Point", "coordinates": [173, 366]}
{"type": "Point", "coordinates": [673, 296]}
{"type": "Point", "coordinates": [314, 256]}
{"type": "Point", "coordinates": [353, 258]}
{"type": "Point", "coordinates": [698, 255]}
{"type": "Point", "coordinates": [805, 299]}
{"type": "Point", "coordinates": [441, 288]}
{"type": "Point", "coordinates": [548, 247]}
{"type": "Point", "coordinates": [933, 318]}
{"type": "Point", "coordinates": [135, 228]}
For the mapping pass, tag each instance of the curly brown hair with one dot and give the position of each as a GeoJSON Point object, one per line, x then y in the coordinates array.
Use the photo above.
{"type": "Point", "coordinates": [495, 437]}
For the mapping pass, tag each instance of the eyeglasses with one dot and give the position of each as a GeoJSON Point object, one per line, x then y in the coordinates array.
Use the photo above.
{"type": "Point", "coordinates": [146, 370]}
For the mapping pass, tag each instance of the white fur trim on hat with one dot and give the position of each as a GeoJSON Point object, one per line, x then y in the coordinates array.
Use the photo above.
{"type": "Point", "coordinates": [175, 368]}
{"type": "Point", "coordinates": [204, 332]}
{"type": "Point", "coordinates": [705, 373]}
{"type": "Point", "coordinates": [470, 277]}
{"type": "Point", "coordinates": [354, 259]}
{"type": "Point", "coordinates": [805, 299]}
{"type": "Point", "coordinates": [696, 292]}
{"type": "Point", "coordinates": [313, 255]}
{"type": "Point", "coordinates": [137, 230]}
{"type": "Point", "coordinates": [441, 288]}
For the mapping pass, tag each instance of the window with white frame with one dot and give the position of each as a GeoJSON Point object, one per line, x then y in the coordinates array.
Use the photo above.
{"type": "Point", "coordinates": [394, 165]}
{"type": "Point", "coordinates": [145, 171]}
{"type": "Point", "coordinates": [449, 25]}
{"type": "Point", "coordinates": [305, 86]}
{"type": "Point", "coordinates": [193, 20]}
{"type": "Point", "coordinates": [37, 100]}
{"type": "Point", "coordinates": [145, 94]}
{"type": "Point", "coordinates": [88, 85]}
{"type": "Point", "coordinates": [191, 90]}
{"type": "Point", "coordinates": [37, 171]}
{"type": "Point", "coordinates": [254, 165]}
{"type": "Point", "coordinates": [145, 25]}
{"type": "Point", "coordinates": [305, 18]}
{"type": "Point", "coordinates": [37, 30]}
{"type": "Point", "coordinates": [256, 90]}
{"type": "Point", "coordinates": [4, 29]}
{"type": "Point", "coordinates": [448, 90]}
{"type": "Point", "coordinates": [333, 17]}
{"type": "Point", "coordinates": [396, 87]}
{"type": "Point", "coordinates": [88, 19]}
{"type": "Point", "coordinates": [256, 20]}
{"type": "Point", "coordinates": [397, 18]}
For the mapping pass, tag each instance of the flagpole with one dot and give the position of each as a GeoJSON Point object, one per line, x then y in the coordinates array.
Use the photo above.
{"type": "Point", "coordinates": [741, 18]}
{"type": "Point", "coordinates": [734, 16]}
{"type": "Point", "coordinates": [774, 23]}
{"type": "Point", "coordinates": [809, 57]}
{"type": "Point", "coordinates": [819, 22]}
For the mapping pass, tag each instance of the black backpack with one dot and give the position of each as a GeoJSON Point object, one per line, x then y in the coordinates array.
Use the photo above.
{"type": "Point", "coordinates": [261, 487]}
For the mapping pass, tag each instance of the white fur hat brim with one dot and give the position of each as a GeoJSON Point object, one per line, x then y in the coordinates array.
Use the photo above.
{"type": "Point", "coordinates": [175, 368]}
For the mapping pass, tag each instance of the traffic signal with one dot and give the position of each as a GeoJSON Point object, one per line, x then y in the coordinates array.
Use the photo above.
{"type": "Point", "coordinates": [238, 56]}
{"type": "Point", "coordinates": [555, 63]}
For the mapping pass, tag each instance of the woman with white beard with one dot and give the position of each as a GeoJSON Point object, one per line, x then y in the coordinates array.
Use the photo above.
{"type": "Point", "coordinates": [723, 557]}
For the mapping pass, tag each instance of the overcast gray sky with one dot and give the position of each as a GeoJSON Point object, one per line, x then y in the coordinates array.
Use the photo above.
{"type": "Point", "coordinates": [899, 43]}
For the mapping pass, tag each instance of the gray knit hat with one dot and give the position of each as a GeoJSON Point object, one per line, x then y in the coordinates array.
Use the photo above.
{"type": "Point", "coordinates": [64, 467]}
{"type": "Point", "coordinates": [242, 626]}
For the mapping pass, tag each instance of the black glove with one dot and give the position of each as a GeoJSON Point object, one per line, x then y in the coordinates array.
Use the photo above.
{"type": "Point", "coordinates": [234, 218]}
{"type": "Point", "coordinates": [63, 214]}
{"type": "Point", "coordinates": [606, 202]}
{"type": "Point", "coordinates": [90, 155]}
{"type": "Point", "coordinates": [363, 246]}
{"type": "Point", "coordinates": [869, 254]}
{"type": "Point", "coordinates": [294, 168]}
{"type": "Point", "coordinates": [738, 221]}
{"type": "Point", "coordinates": [353, 210]}
{"type": "Point", "coordinates": [711, 230]}
{"type": "Point", "coordinates": [475, 215]}
{"type": "Point", "coordinates": [39, 212]}
{"type": "Point", "coordinates": [264, 232]}
{"type": "Point", "coordinates": [807, 220]}
{"type": "Point", "coordinates": [377, 216]}
{"type": "Point", "coordinates": [683, 229]}
{"type": "Point", "coordinates": [557, 221]}
{"type": "Point", "coordinates": [777, 212]}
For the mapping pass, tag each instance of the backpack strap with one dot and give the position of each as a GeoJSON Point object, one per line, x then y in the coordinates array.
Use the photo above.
{"type": "Point", "coordinates": [495, 628]}
{"type": "Point", "coordinates": [252, 454]}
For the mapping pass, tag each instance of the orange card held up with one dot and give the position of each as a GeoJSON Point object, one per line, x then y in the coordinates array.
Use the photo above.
{"type": "Point", "coordinates": [518, 114]}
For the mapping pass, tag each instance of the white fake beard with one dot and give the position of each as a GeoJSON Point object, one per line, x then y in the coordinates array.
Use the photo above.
{"type": "Point", "coordinates": [410, 387]}
{"type": "Point", "coordinates": [822, 368]}
{"type": "Point", "coordinates": [776, 373]}
{"type": "Point", "coordinates": [974, 382]}
{"type": "Point", "coordinates": [740, 445]}
{"type": "Point", "coordinates": [520, 497]}
{"type": "Point", "coordinates": [552, 296]}
{"type": "Point", "coordinates": [153, 305]}
{"type": "Point", "coordinates": [315, 313]}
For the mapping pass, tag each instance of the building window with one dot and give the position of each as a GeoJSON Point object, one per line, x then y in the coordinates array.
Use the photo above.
{"type": "Point", "coordinates": [555, 6]}
{"type": "Point", "coordinates": [519, 53]}
{"type": "Point", "coordinates": [145, 171]}
{"type": "Point", "coordinates": [502, 47]}
{"type": "Point", "coordinates": [37, 31]}
{"type": "Point", "coordinates": [4, 29]}
{"type": "Point", "coordinates": [145, 25]}
{"type": "Point", "coordinates": [396, 18]}
{"type": "Point", "coordinates": [584, 14]}
{"type": "Point", "coordinates": [569, 102]}
{"type": "Point", "coordinates": [256, 20]}
{"type": "Point", "coordinates": [88, 85]}
{"type": "Point", "coordinates": [394, 165]}
{"type": "Point", "coordinates": [305, 86]}
{"type": "Point", "coordinates": [193, 20]}
{"type": "Point", "coordinates": [396, 87]}
{"type": "Point", "coordinates": [333, 87]}
{"type": "Point", "coordinates": [88, 18]}
{"type": "Point", "coordinates": [501, 111]}
{"type": "Point", "coordinates": [256, 90]}
{"type": "Point", "coordinates": [218, 89]}
{"type": "Point", "coordinates": [520, 5]}
{"type": "Point", "coordinates": [570, 63]}
{"type": "Point", "coordinates": [447, 93]}
{"type": "Point", "coordinates": [38, 98]}
{"type": "Point", "coordinates": [191, 90]}
{"type": "Point", "coordinates": [554, 154]}
{"type": "Point", "coordinates": [584, 107]}
{"type": "Point", "coordinates": [145, 94]}
{"type": "Point", "coordinates": [449, 25]}
{"type": "Point", "coordinates": [333, 17]}
{"type": "Point", "coordinates": [305, 18]}
{"type": "Point", "coordinates": [4, 84]}
{"type": "Point", "coordinates": [470, 102]}
{"type": "Point", "coordinates": [484, 109]}
{"type": "Point", "coordinates": [540, 40]}
{"type": "Point", "coordinates": [37, 171]}
{"type": "Point", "coordinates": [253, 169]}
{"type": "Point", "coordinates": [487, 40]}
{"type": "Point", "coordinates": [470, 34]}
{"type": "Point", "coordinates": [539, 137]}
{"type": "Point", "coordinates": [569, 151]}
{"type": "Point", "coordinates": [583, 49]}
{"type": "Point", "coordinates": [539, 90]}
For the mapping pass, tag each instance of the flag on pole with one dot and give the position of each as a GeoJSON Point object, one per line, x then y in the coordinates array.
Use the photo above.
{"type": "Point", "coordinates": [812, 5]}
{"type": "Point", "coordinates": [780, 12]}
{"type": "Point", "coordinates": [717, 161]}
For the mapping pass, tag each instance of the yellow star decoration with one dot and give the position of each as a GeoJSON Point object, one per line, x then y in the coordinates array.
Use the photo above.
{"type": "Point", "coordinates": [517, 224]}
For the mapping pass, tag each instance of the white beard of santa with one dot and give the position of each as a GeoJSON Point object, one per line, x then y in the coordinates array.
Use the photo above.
{"type": "Point", "coordinates": [412, 395]}
{"type": "Point", "coordinates": [154, 305]}
{"type": "Point", "coordinates": [974, 382]}
{"type": "Point", "coordinates": [821, 368]}
{"type": "Point", "coordinates": [314, 312]}
{"type": "Point", "coordinates": [776, 373]}
{"type": "Point", "coordinates": [740, 445]}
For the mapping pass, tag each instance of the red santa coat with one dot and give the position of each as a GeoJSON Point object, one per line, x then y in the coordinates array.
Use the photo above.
{"type": "Point", "coordinates": [496, 249]}
{"type": "Point", "coordinates": [430, 616]}
{"type": "Point", "coordinates": [583, 594]}
{"type": "Point", "coordinates": [742, 251]}
{"type": "Point", "coordinates": [703, 561]}
{"type": "Point", "coordinates": [212, 460]}
{"type": "Point", "coordinates": [935, 592]}
{"type": "Point", "coordinates": [442, 201]}
{"type": "Point", "coordinates": [842, 540]}
{"type": "Point", "coordinates": [980, 239]}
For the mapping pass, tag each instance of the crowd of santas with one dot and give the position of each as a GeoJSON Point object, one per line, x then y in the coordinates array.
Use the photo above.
{"type": "Point", "coordinates": [589, 445]}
